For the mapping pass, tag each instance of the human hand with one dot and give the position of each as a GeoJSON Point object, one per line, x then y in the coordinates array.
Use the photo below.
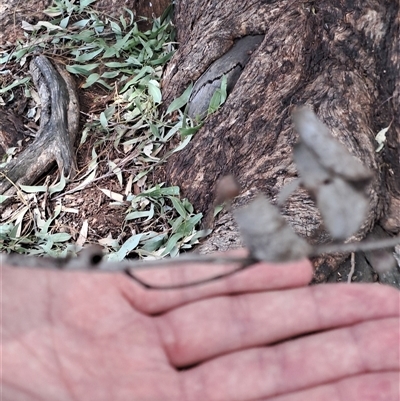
{"type": "Point", "coordinates": [260, 334]}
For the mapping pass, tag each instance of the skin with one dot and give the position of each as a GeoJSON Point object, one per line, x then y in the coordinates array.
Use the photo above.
{"type": "Point", "coordinates": [261, 334]}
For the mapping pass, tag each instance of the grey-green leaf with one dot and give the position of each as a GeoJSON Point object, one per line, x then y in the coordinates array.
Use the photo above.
{"type": "Point", "coordinates": [178, 206]}
{"type": "Point", "coordinates": [181, 100]}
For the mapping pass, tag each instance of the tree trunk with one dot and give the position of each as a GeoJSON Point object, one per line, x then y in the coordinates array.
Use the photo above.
{"type": "Point", "coordinates": [340, 57]}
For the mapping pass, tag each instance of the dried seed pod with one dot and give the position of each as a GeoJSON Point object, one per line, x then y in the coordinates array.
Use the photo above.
{"type": "Point", "coordinates": [267, 234]}
{"type": "Point", "coordinates": [333, 176]}
{"type": "Point", "coordinates": [227, 189]}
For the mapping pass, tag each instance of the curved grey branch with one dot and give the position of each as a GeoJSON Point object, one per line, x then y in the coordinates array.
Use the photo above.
{"type": "Point", "coordinates": [56, 135]}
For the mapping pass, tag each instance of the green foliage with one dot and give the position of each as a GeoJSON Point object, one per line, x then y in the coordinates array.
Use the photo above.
{"type": "Point", "coordinates": [219, 96]}
{"type": "Point", "coordinates": [90, 41]}
{"type": "Point", "coordinates": [42, 241]}
{"type": "Point", "coordinates": [179, 231]}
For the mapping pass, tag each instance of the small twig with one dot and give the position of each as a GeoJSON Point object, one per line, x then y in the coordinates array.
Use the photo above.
{"type": "Point", "coordinates": [17, 189]}
{"type": "Point", "coordinates": [88, 262]}
{"type": "Point", "coordinates": [355, 246]}
{"type": "Point", "coordinates": [220, 259]}
{"type": "Point", "coordinates": [93, 259]}
{"type": "Point", "coordinates": [353, 267]}
{"type": "Point", "coordinates": [161, 263]}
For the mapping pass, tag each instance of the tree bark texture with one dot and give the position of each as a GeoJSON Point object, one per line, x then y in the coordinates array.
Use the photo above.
{"type": "Point", "coordinates": [59, 123]}
{"type": "Point", "coordinates": [342, 58]}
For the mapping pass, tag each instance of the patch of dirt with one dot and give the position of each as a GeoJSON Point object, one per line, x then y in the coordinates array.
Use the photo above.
{"type": "Point", "coordinates": [104, 220]}
{"type": "Point", "coordinates": [91, 205]}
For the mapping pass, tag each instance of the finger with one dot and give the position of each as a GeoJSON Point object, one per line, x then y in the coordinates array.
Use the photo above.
{"type": "Point", "coordinates": [258, 277]}
{"type": "Point", "coordinates": [296, 365]}
{"type": "Point", "coordinates": [249, 320]}
{"type": "Point", "coordinates": [367, 387]}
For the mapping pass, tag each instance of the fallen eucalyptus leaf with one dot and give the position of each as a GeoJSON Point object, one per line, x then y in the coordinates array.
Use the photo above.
{"type": "Point", "coordinates": [129, 245]}
{"type": "Point", "coordinates": [59, 186]}
{"type": "Point", "coordinates": [83, 234]}
{"type": "Point", "coordinates": [113, 195]}
{"type": "Point", "coordinates": [4, 198]}
{"type": "Point", "coordinates": [180, 101]}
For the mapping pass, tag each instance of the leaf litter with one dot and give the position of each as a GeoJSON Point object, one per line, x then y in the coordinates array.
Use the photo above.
{"type": "Point", "coordinates": [124, 138]}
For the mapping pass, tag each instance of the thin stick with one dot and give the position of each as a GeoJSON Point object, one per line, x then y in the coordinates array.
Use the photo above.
{"type": "Point", "coordinates": [220, 259]}
{"type": "Point", "coordinates": [353, 267]}
{"type": "Point", "coordinates": [92, 260]}
{"type": "Point", "coordinates": [87, 262]}
{"type": "Point", "coordinates": [369, 245]}
{"type": "Point", "coordinates": [187, 259]}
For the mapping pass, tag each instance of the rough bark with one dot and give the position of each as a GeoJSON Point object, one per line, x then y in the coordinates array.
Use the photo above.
{"type": "Point", "coordinates": [55, 138]}
{"type": "Point", "coordinates": [11, 130]}
{"type": "Point", "coordinates": [340, 57]}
